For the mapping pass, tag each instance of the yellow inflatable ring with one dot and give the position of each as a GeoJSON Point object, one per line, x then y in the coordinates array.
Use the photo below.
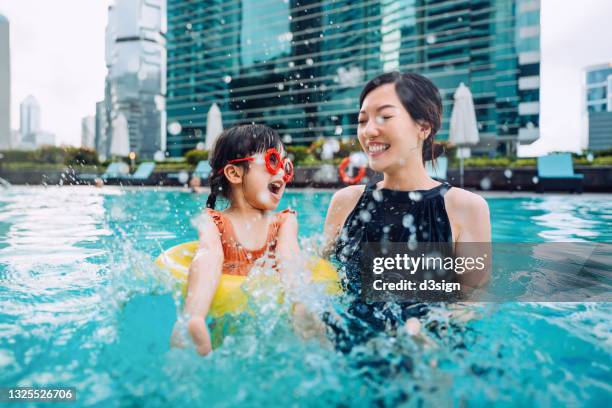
{"type": "Point", "coordinates": [230, 298]}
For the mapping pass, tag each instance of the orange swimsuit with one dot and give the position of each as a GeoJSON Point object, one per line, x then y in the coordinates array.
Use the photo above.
{"type": "Point", "coordinates": [239, 260]}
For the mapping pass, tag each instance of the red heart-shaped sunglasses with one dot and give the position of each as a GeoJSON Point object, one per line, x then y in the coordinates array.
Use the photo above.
{"type": "Point", "coordinates": [274, 163]}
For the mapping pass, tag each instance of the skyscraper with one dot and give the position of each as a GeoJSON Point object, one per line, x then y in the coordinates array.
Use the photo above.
{"type": "Point", "coordinates": [29, 116]}
{"type": "Point", "coordinates": [5, 84]}
{"type": "Point", "coordinates": [300, 65]}
{"type": "Point", "coordinates": [135, 84]}
{"type": "Point", "coordinates": [598, 96]}
{"type": "Point", "coordinates": [88, 132]}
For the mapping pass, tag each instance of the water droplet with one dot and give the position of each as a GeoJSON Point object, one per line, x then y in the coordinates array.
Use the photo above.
{"type": "Point", "coordinates": [590, 157]}
{"type": "Point", "coordinates": [431, 39]}
{"type": "Point", "coordinates": [415, 196]}
{"type": "Point", "coordinates": [188, 26]}
{"type": "Point", "coordinates": [535, 180]}
{"type": "Point", "coordinates": [280, 87]}
{"type": "Point", "coordinates": [408, 220]}
{"type": "Point", "coordinates": [309, 61]}
{"type": "Point", "coordinates": [508, 173]}
{"type": "Point", "coordinates": [287, 138]}
{"type": "Point", "coordinates": [377, 195]}
{"type": "Point", "coordinates": [227, 79]}
{"type": "Point", "coordinates": [183, 177]}
{"type": "Point", "coordinates": [365, 216]}
{"type": "Point", "coordinates": [380, 120]}
{"type": "Point", "coordinates": [159, 156]}
{"type": "Point", "coordinates": [291, 64]}
{"type": "Point", "coordinates": [485, 183]}
{"type": "Point", "coordinates": [174, 128]}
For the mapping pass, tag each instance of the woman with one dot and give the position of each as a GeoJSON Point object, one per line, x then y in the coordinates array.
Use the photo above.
{"type": "Point", "coordinates": [400, 114]}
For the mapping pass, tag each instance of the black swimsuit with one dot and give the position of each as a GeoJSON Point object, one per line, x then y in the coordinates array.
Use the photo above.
{"type": "Point", "coordinates": [392, 216]}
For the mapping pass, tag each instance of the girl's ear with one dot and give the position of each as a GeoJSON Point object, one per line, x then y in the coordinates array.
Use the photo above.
{"type": "Point", "coordinates": [233, 173]}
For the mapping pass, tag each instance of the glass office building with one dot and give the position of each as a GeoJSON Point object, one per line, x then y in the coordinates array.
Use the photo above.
{"type": "Point", "coordinates": [299, 65]}
{"type": "Point", "coordinates": [599, 106]}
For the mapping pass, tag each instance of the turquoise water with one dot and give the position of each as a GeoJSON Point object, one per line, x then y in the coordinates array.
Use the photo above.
{"type": "Point", "coordinates": [82, 305]}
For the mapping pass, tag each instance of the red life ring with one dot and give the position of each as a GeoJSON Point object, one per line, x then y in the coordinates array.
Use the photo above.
{"type": "Point", "coordinates": [345, 177]}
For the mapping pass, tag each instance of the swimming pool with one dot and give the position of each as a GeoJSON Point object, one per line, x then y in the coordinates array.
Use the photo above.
{"type": "Point", "coordinates": [80, 307]}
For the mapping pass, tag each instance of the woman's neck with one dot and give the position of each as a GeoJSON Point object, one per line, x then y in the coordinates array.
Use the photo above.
{"type": "Point", "coordinates": [409, 177]}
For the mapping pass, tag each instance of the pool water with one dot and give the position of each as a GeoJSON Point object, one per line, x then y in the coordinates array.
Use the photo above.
{"type": "Point", "coordinates": [82, 305]}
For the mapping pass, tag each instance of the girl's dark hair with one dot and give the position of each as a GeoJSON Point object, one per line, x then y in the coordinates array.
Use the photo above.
{"type": "Point", "coordinates": [235, 143]}
{"type": "Point", "coordinates": [420, 98]}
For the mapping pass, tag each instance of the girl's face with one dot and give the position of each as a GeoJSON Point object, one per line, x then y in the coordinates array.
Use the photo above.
{"type": "Point", "coordinates": [387, 133]}
{"type": "Point", "coordinates": [261, 189]}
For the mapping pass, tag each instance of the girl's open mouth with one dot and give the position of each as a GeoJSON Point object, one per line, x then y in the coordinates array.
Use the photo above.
{"type": "Point", "coordinates": [275, 187]}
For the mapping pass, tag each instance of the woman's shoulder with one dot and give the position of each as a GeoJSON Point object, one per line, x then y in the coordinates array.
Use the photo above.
{"type": "Point", "coordinates": [348, 195]}
{"type": "Point", "coordinates": [463, 200]}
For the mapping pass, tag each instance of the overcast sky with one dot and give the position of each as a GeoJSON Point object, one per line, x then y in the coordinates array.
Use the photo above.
{"type": "Point", "coordinates": [57, 54]}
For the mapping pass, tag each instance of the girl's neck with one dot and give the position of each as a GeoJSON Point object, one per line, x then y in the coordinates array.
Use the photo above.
{"type": "Point", "coordinates": [240, 207]}
{"type": "Point", "coordinates": [409, 177]}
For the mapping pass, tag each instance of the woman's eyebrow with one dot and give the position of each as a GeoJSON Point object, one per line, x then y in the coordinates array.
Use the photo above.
{"type": "Point", "coordinates": [385, 106]}
{"type": "Point", "coordinates": [380, 108]}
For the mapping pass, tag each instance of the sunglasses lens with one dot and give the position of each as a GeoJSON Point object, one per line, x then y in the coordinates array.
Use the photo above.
{"type": "Point", "coordinates": [274, 160]}
{"type": "Point", "coordinates": [288, 168]}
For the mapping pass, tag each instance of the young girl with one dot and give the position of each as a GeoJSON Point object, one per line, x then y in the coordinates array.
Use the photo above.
{"type": "Point", "coordinates": [248, 169]}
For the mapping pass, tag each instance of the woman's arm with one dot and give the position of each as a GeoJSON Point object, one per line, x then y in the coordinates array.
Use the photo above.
{"type": "Point", "coordinates": [341, 205]}
{"type": "Point", "coordinates": [470, 218]}
{"type": "Point", "coordinates": [204, 275]}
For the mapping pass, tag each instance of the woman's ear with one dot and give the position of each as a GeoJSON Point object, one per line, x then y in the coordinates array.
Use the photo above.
{"type": "Point", "coordinates": [424, 130]}
{"type": "Point", "coordinates": [233, 173]}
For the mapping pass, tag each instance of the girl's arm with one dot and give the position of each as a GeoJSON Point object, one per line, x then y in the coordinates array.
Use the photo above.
{"type": "Point", "coordinates": [287, 247]}
{"type": "Point", "coordinates": [204, 275]}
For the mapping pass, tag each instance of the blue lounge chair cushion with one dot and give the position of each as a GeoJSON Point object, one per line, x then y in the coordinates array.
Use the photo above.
{"type": "Point", "coordinates": [440, 171]}
{"type": "Point", "coordinates": [202, 170]}
{"type": "Point", "coordinates": [144, 171]}
{"type": "Point", "coordinates": [557, 166]}
{"type": "Point", "coordinates": [116, 169]}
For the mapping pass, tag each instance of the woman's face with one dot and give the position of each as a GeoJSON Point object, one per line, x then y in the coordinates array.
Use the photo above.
{"type": "Point", "coordinates": [386, 132]}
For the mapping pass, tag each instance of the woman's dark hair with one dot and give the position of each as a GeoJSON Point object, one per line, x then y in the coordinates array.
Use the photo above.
{"type": "Point", "coordinates": [235, 143]}
{"type": "Point", "coordinates": [421, 99]}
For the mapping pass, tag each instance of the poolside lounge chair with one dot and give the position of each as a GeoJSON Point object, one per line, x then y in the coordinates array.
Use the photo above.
{"type": "Point", "coordinates": [440, 171]}
{"type": "Point", "coordinates": [556, 172]}
{"type": "Point", "coordinates": [113, 171]}
{"type": "Point", "coordinates": [142, 175]}
{"type": "Point", "coordinates": [202, 171]}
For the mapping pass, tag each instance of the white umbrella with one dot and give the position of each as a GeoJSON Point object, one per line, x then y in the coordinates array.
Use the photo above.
{"type": "Point", "coordinates": [120, 142]}
{"type": "Point", "coordinates": [214, 126]}
{"type": "Point", "coordinates": [463, 127]}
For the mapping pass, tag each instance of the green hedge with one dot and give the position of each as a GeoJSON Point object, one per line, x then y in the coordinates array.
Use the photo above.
{"type": "Point", "coordinates": [195, 155]}
{"type": "Point", "coordinates": [52, 155]}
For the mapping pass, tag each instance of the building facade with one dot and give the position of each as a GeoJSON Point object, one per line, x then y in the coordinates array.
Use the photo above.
{"type": "Point", "coordinates": [5, 85]}
{"type": "Point", "coordinates": [29, 119]}
{"type": "Point", "coordinates": [88, 132]}
{"type": "Point", "coordinates": [299, 65]}
{"type": "Point", "coordinates": [598, 96]}
{"type": "Point", "coordinates": [135, 84]}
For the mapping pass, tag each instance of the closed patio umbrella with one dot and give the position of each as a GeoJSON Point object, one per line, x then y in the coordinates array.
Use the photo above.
{"type": "Point", "coordinates": [463, 127]}
{"type": "Point", "coordinates": [214, 126]}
